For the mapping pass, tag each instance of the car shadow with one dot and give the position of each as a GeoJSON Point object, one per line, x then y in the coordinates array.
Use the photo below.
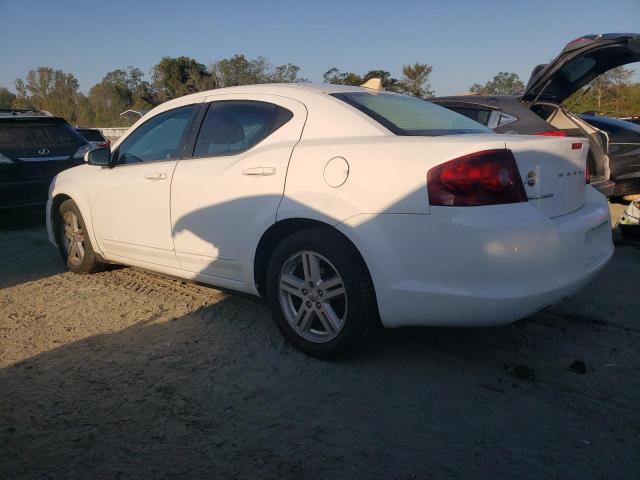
{"type": "Point", "coordinates": [26, 254]}
{"type": "Point", "coordinates": [218, 393]}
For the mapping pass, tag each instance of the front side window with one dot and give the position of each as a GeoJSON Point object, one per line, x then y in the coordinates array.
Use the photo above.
{"type": "Point", "coordinates": [160, 138]}
{"type": "Point", "coordinates": [233, 126]}
{"type": "Point", "coordinates": [405, 115]}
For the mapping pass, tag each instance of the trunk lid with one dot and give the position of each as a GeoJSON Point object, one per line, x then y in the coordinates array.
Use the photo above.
{"type": "Point", "coordinates": [580, 62]}
{"type": "Point", "coordinates": [552, 171]}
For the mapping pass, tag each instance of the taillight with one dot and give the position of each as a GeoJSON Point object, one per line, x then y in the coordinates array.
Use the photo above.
{"type": "Point", "coordinates": [490, 177]}
{"type": "Point", "coordinates": [552, 133]}
{"type": "Point", "coordinates": [587, 175]}
{"type": "Point", "coordinates": [106, 144]}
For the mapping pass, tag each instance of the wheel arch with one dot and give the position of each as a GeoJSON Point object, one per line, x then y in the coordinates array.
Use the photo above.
{"type": "Point", "coordinates": [55, 204]}
{"type": "Point", "coordinates": [276, 233]}
{"type": "Point", "coordinates": [85, 211]}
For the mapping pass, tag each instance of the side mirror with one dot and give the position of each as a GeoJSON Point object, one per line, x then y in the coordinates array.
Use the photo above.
{"type": "Point", "coordinates": [100, 157]}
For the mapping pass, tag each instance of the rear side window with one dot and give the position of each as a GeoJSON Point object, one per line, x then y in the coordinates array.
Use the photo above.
{"type": "Point", "coordinates": [405, 115]}
{"type": "Point", "coordinates": [231, 127]}
{"type": "Point", "coordinates": [36, 134]}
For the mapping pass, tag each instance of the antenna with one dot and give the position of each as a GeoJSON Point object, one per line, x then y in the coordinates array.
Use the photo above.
{"type": "Point", "coordinates": [373, 84]}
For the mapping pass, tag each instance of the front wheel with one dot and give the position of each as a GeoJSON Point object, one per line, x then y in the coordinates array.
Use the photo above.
{"type": "Point", "coordinates": [73, 241]}
{"type": "Point", "coordinates": [320, 293]}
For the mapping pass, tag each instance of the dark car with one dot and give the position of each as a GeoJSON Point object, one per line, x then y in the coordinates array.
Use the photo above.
{"type": "Point", "coordinates": [538, 110]}
{"type": "Point", "coordinates": [94, 137]}
{"type": "Point", "coordinates": [635, 120]}
{"type": "Point", "coordinates": [624, 152]}
{"type": "Point", "coordinates": [34, 148]}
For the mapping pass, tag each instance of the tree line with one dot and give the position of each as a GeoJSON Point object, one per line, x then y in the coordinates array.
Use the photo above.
{"type": "Point", "coordinates": [56, 91]}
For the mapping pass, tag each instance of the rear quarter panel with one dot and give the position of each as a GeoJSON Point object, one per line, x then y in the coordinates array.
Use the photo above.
{"type": "Point", "coordinates": [385, 174]}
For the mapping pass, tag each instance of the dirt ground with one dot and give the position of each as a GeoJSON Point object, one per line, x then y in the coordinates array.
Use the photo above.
{"type": "Point", "coordinates": [125, 374]}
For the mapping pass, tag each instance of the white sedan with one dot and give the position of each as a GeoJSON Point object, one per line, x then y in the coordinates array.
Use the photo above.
{"type": "Point", "coordinates": [344, 206]}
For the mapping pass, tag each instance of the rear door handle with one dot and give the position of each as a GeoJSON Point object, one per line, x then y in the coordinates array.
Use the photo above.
{"type": "Point", "coordinates": [156, 176]}
{"type": "Point", "coordinates": [262, 171]}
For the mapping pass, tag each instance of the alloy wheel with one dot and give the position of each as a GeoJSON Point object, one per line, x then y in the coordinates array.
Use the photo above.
{"type": "Point", "coordinates": [73, 238]}
{"type": "Point", "coordinates": [313, 297]}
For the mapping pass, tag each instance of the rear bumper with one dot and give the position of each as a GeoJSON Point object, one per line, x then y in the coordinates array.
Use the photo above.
{"type": "Point", "coordinates": [480, 266]}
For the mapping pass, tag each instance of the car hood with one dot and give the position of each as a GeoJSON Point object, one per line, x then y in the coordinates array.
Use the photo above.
{"type": "Point", "coordinates": [581, 61]}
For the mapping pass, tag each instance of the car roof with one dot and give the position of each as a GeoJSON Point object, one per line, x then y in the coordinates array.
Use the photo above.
{"type": "Point", "coordinates": [293, 90]}
{"type": "Point", "coordinates": [23, 112]}
{"type": "Point", "coordinates": [611, 121]}
{"type": "Point", "coordinates": [491, 101]}
{"type": "Point", "coordinates": [33, 118]}
{"type": "Point", "coordinates": [346, 120]}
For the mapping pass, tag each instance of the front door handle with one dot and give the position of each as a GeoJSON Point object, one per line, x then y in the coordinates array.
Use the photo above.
{"type": "Point", "coordinates": [261, 171]}
{"type": "Point", "coordinates": [155, 176]}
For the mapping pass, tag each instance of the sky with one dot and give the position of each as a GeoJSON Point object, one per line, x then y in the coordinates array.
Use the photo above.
{"type": "Point", "coordinates": [466, 42]}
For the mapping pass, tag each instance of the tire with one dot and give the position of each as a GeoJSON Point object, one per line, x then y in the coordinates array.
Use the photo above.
{"type": "Point", "coordinates": [73, 243]}
{"type": "Point", "coordinates": [316, 317]}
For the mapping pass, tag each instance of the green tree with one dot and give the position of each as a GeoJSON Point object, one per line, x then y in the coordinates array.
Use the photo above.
{"type": "Point", "coordinates": [337, 77]}
{"type": "Point", "coordinates": [612, 93]}
{"type": "Point", "coordinates": [119, 90]}
{"type": "Point", "coordinates": [239, 70]}
{"type": "Point", "coordinates": [415, 80]}
{"type": "Point", "coordinates": [504, 83]}
{"type": "Point", "coordinates": [388, 82]}
{"type": "Point", "coordinates": [6, 98]}
{"type": "Point", "coordinates": [174, 77]}
{"type": "Point", "coordinates": [287, 73]}
{"type": "Point", "coordinates": [85, 115]}
{"type": "Point", "coordinates": [47, 89]}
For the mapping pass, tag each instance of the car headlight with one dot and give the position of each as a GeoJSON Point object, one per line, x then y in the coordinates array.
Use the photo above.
{"type": "Point", "coordinates": [5, 159]}
{"type": "Point", "coordinates": [81, 151]}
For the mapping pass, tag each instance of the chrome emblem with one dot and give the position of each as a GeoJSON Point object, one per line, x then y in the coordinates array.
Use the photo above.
{"type": "Point", "coordinates": [532, 178]}
{"type": "Point", "coordinates": [43, 151]}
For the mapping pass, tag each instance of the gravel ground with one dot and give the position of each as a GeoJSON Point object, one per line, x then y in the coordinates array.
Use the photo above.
{"type": "Point", "coordinates": [125, 374]}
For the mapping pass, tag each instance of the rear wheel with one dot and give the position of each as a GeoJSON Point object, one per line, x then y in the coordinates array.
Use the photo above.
{"type": "Point", "coordinates": [72, 239]}
{"type": "Point", "coordinates": [320, 293]}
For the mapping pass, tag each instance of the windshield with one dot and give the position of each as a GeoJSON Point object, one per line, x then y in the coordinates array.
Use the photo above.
{"type": "Point", "coordinates": [405, 115]}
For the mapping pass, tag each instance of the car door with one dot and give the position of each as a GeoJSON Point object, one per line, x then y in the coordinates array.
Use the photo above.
{"type": "Point", "coordinates": [130, 201]}
{"type": "Point", "coordinates": [228, 194]}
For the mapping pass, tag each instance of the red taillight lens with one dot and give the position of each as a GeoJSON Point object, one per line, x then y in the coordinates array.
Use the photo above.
{"type": "Point", "coordinates": [490, 177]}
{"type": "Point", "coordinates": [106, 144]}
{"type": "Point", "coordinates": [552, 133]}
{"type": "Point", "coordinates": [587, 175]}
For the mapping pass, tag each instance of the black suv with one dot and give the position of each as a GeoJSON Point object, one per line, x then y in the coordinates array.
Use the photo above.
{"type": "Point", "coordinates": [34, 148]}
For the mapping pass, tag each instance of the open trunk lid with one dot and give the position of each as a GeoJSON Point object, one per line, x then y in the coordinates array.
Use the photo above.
{"type": "Point", "coordinates": [580, 62]}
{"type": "Point", "coordinates": [552, 170]}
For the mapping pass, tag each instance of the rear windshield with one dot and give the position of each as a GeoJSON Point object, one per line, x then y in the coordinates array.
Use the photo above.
{"type": "Point", "coordinates": [91, 135]}
{"type": "Point", "coordinates": [33, 133]}
{"type": "Point", "coordinates": [405, 115]}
